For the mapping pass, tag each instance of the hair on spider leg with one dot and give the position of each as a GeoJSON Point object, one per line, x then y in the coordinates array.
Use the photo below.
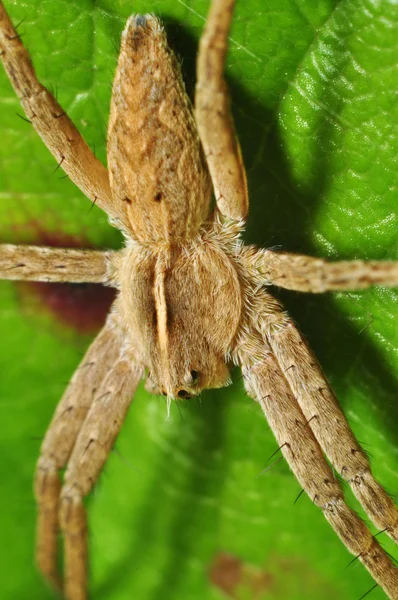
{"type": "Point", "coordinates": [20, 23]}
{"type": "Point", "coordinates": [24, 118]}
{"type": "Point", "coordinates": [59, 115]}
{"type": "Point", "coordinates": [355, 300]}
{"type": "Point", "coordinates": [269, 467]}
{"type": "Point", "coordinates": [103, 137]}
{"type": "Point", "coordinates": [18, 36]}
{"type": "Point", "coordinates": [93, 202]}
{"type": "Point", "coordinates": [277, 450]}
{"type": "Point", "coordinates": [368, 525]}
{"type": "Point", "coordinates": [310, 419]}
{"type": "Point", "coordinates": [116, 49]}
{"type": "Point", "coordinates": [16, 266]}
{"type": "Point", "coordinates": [58, 165]}
{"type": "Point", "coordinates": [299, 496]}
{"type": "Point", "coordinates": [273, 454]}
{"type": "Point", "coordinates": [353, 560]}
{"type": "Point", "coordinates": [251, 408]}
{"type": "Point", "coordinates": [70, 409]}
{"type": "Point", "coordinates": [108, 393]}
{"type": "Point", "coordinates": [368, 324]}
{"type": "Point", "coordinates": [337, 477]}
{"type": "Point", "coordinates": [380, 532]}
{"type": "Point", "coordinates": [125, 461]}
{"type": "Point", "coordinates": [54, 91]}
{"type": "Point", "coordinates": [369, 591]}
{"type": "Point", "coordinates": [89, 363]}
{"type": "Point", "coordinates": [109, 87]}
{"type": "Point", "coordinates": [394, 560]}
{"type": "Point", "coordinates": [393, 497]}
{"type": "Point", "coordinates": [112, 72]}
{"type": "Point", "coordinates": [367, 453]}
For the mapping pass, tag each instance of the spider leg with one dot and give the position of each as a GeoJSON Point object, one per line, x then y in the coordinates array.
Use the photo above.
{"type": "Point", "coordinates": [327, 421]}
{"type": "Point", "coordinates": [52, 123]}
{"type": "Point", "coordinates": [265, 382]}
{"type": "Point", "coordinates": [309, 274]}
{"type": "Point", "coordinates": [213, 116]}
{"type": "Point", "coordinates": [93, 444]}
{"type": "Point", "coordinates": [41, 263]}
{"type": "Point", "coordinates": [60, 439]}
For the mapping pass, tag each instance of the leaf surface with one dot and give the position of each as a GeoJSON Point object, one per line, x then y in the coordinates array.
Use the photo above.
{"type": "Point", "coordinates": [182, 509]}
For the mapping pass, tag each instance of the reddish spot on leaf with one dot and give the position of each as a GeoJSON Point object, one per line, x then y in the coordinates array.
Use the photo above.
{"type": "Point", "coordinates": [226, 573]}
{"type": "Point", "coordinates": [82, 306]}
{"type": "Point", "coordinates": [236, 578]}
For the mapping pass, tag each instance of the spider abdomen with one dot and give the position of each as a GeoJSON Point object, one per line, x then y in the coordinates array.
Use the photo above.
{"type": "Point", "coordinates": [156, 164]}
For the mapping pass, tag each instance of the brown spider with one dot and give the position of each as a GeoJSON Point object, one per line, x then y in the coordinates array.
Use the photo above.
{"type": "Point", "coordinates": [191, 297]}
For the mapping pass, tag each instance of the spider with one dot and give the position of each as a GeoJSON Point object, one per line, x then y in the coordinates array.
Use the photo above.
{"type": "Point", "coordinates": [192, 299]}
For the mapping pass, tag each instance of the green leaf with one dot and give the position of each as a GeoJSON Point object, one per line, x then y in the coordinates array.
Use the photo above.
{"type": "Point", "coordinates": [313, 87]}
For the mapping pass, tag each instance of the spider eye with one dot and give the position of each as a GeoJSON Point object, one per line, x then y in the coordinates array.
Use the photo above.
{"type": "Point", "coordinates": [194, 377]}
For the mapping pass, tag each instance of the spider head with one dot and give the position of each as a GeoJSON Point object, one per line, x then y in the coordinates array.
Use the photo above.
{"type": "Point", "coordinates": [182, 383]}
{"type": "Point", "coordinates": [181, 309]}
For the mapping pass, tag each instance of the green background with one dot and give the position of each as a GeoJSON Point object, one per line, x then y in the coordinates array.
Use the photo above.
{"type": "Point", "coordinates": [314, 92]}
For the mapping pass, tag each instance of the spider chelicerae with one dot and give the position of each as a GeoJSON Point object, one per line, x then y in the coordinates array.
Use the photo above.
{"type": "Point", "coordinates": [192, 299]}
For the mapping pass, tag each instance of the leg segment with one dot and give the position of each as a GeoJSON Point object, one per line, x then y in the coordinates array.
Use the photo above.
{"type": "Point", "coordinates": [266, 383]}
{"type": "Point", "coordinates": [53, 125]}
{"type": "Point", "coordinates": [91, 450]}
{"type": "Point", "coordinates": [308, 274]}
{"type": "Point", "coordinates": [325, 418]}
{"type": "Point", "coordinates": [41, 263]}
{"type": "Point", "coordinates": [60, 439]}
{"type": "Point", "coordinates": [213, 116]}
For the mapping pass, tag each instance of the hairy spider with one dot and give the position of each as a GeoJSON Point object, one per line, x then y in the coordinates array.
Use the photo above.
{"type": "Point", "coordinates": [191, 297]}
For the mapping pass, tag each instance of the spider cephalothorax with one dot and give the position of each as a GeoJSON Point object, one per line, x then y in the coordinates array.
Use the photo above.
{"type": "Point", "coordinates": [191, 297]}
{"type": "Point", "coordinates": [185, 303]}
